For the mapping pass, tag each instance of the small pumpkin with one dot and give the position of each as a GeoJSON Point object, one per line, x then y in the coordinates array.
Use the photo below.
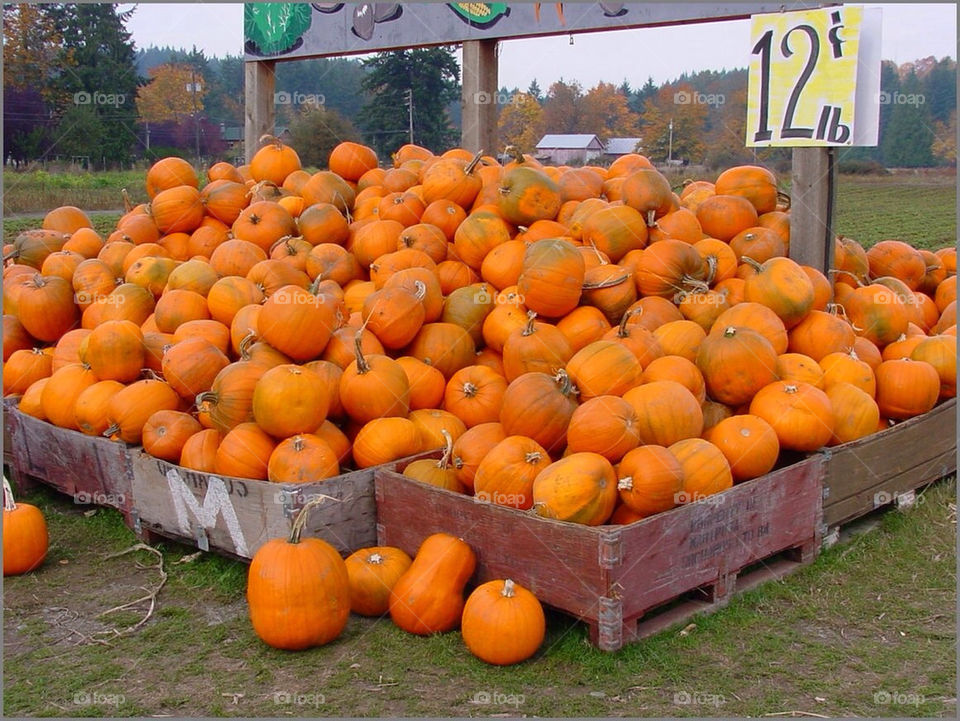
{"type": "Point", "coordinates": [503, 623]}
{"type": "Point", "coordinates": [439, 473]}
{"type": "Point", "coordinates": [666, 412]}
{"type": "Point", "coordinates": [374, 386]}
{"type": "Point", "coordinates": [428, 598]}
{"type": "Point", "coordinates": [166, 432]}
{"type": "Point", "coordinates": [855, 414]}
{"type": "Point", "coordinates": [130, 408]}
{"type": "Point", "coordinates": [800, 414]}
{"type": "Point", "coordinates": [506, 474]}
{"type": "Point", "coordinates": [736, 364]}
{"type": "Point", "coordinates": [385, 439]}
{"type": "Point", "coordinates": [706, 470]}
{"type": "Point", "coordinates": [749, 444]}
{"type": "Point", "coordinates": [471, 448]}
{"type": "Point", "coordinates": [245, 452]}
{"type": "Point", "coordinates": [906, 388]}
{"type": "Point", "coordinates": [539, 406]}
{"type": "Point", "coordinates": [552, 277]}
{"type": "Point", "coordinates": [373, 572]}
{"type": "Point", "coordinates": [579, 488]}
{"type": "Point", "coordinates": [25, 539]}
{"type": "Point", "coordinates": [649, 479]}
{"type": "Point", "coordinates": [607, 425]}
{"type": "Point", "coordinates": [303, 458]}
{"type": "Point", "coordinates": [298, 589]}
{"type": "Point", "coordinates": [289, 400]}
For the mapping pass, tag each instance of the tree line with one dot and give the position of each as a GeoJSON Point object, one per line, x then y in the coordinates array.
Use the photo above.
{"type": "Point", "coordinates": [75, 87]}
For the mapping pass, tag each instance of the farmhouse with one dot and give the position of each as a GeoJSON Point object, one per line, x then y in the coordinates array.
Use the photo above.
{"type": "Point", "coordinates": [566, 149]}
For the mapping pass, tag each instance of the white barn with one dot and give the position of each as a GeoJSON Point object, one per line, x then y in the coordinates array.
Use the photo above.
{"type": "Point", "coordinates": [561, 149]}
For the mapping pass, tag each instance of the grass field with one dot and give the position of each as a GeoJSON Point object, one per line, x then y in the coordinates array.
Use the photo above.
{"type": "Point", "coordinates": [38, 191]}
{"type": "Point", "coordinates": [867, 630]}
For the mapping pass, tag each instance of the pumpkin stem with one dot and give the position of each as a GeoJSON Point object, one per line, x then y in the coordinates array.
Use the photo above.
{"type": "Point", "coordinates": [625, 484]}
{"type": "Point", "coordinates": [298, 443]}
{"type": "Point", "coordinates": [375, 558]}
{"type": "Point", "coordinates": [421, 291]}
{"type": "Point", "coordinates": [245, 344]}
{"type": "Point", "coordinates": [528, 329]}
{"type": "Point", "coordinates": [267, 138]}
{"type": "Point", "coordinates": [473, 162]}
{"type": "Point", "coordinates": [111, 430]}
{"type": "Point", "coordinates": [127, 205]}
{"type": "Point", "coordinates": [150, 374]}
{"type": "Point", "coordinates": [730, 331]}
{"type": "Point", "coordinates": [514, 152]}
{"type": "Point", "coordinates": [566, 385]}
{"type": "Point", "coordinates": [444, 461]}
{"type": "Point", "coordinates": [9, 504]}
{"type": "Point", "coordinates": [508, 589]}
{"type": "Point", "coordinates": [362, 365]}
{"type": "Point", "coordinates": [532, 457]}
{"type": "Point", "coordinates": [285, 239]}
{"type": "Point", "coordinates": [603, 261]}
{"type": "Point", "coordinates": [651, 218]}
{"type": "Point", "coordinates": [751, 262]}
{"type": "Point", "coordinates": [711, 261]}
{"type": "Point", "coordinates": [469, 389]}
{"type": "Point", "coordinates": [608, 283]}
{"type": "Point", "coordinates": [790, 388]}
{"type": "Point", "coordinates": [297, 529]}
{"type": "Point", "coordinates": [204, 398]}
{"type": "Point", "coordinates": [622, 331]}
{"type": "Point", "coordinates": [784, 199]}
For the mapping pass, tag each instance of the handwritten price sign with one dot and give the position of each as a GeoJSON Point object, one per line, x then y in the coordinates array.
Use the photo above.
{"type": "Point", "coordinates": [814, 78]}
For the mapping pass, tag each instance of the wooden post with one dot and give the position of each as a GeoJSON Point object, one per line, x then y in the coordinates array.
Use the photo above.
{"type": "Point", "coordinates": [811, 207]}
{"type": "Point", "coordinates": [258, 103]}
{"type": "Point", "coordinates": [480, 96]}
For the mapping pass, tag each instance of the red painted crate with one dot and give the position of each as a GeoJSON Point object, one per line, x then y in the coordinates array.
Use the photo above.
{"type": "Point", "coordinates": [625, 582]}
{"type": "Point", "coordinates": [91, 469]}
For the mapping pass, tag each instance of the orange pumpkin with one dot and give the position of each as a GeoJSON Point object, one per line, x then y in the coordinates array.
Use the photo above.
{"type": "Point", "coordinates": [940, 351]}
{"type": "Point", "coordinates": [736, 364]}
{"type": "Point", "coordinates": [607, 425]}
{"type": "Point", "coordinates": [855, 414]}
{"type": "Point", "coordinates": [385, 439]}
{"type": "Point", "coordinates": [756, 184]}
{"type": "Point", "coordinates": [749, 444]}
{"type": "Point", "coordinates": [166, 432]}
{"type": "Point", "coordinates": [579, 488]}
{"type": "Point", "coordinates": [666, 412]}
{"type": "Point", "coordinates": [649, 480]}
{"type": "Point", "coordinates": [898, 259]}
{"type": "Point", "coordinates": [526, 195]}
{"type": "Point", "coordinates": [723, 216]}
{"type": "Point", "coordinates": [800, 414]}
{"type": "Point", "coordinates": [24, 368]}
{"type": "Point", "coordinates": [781, 285]}
{"type": "Point", "coordinates": [552, 277]}
{"type": "Point", "coordinates": [604, 368]}
{"type": "Point", "coordinates": [706, 470]}
{"type": "Point", "coordinates": [539, 406]}
{"type": "Point", "coordinates": [906, 388]}
{"type": "Point", "coordinates": [130, 408]}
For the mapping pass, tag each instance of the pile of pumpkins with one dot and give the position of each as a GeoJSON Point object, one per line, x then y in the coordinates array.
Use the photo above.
{"type": "Point", "coordinates": [585, 342]}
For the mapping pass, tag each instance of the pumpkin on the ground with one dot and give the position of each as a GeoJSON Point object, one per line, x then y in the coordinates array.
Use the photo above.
{"type": "Point", "coordinates": [503, 623]}
{"type": "Point", "coordinates": [25, 539]}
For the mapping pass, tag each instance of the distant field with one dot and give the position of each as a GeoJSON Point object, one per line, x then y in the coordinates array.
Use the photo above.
{"type": "Point", "coordinates": [921, 209]}
{"type": "Point", "coordinates": [38, 191]}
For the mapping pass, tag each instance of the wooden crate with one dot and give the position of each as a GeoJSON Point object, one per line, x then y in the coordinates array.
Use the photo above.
{"type": "Point", "coordinates": [8, 405]}
{"type": "Point", "coordinates": [875, 471]}
{"type": "Point", "coordinates": [92, 470]}
{"type": "Point", "coordinates": [235, 516]}
{"type": "Point", "coordinates": [615, 578]}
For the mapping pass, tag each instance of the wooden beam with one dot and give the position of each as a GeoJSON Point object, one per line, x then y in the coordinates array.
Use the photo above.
{"type": "Point", "coordinates": [260, 79]}
{"type": "Point", "coordinates": [812, 200]}
{"type": "Point", "coordinates": [480, 96]}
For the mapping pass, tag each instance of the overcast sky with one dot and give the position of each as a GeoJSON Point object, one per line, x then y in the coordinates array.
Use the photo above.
{"type": "Point", "coordinates": [909, 32]}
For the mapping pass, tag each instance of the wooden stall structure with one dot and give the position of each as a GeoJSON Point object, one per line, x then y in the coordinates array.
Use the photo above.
{"type": "Point", "coordinates": [351, 29]}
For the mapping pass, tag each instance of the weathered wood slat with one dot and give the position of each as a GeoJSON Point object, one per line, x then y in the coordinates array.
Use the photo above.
{"type": "Point", "coordinates": [90, 469]}
{"type": "Point", "coordinates": [905, 457]}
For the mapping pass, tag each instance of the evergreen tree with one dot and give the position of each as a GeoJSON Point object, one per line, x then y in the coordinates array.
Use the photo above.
{"type": "Point", "coordinates": [535, 92]}
{"type": "Point", "coordinates": [103, 76]}
{"type": "Point", "coordinates": [940, 90]}
{"type": "Point", "coordinates": [432, 74]}
{"type": "Point", "coordinates": [640, 97]}
{"type": "Point", "coordinates": [908, 137]}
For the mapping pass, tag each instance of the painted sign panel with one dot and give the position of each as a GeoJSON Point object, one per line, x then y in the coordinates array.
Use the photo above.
{"type": "Point", "coordinates": [290, 31]}
{"type": "Point", "coordinates": [814, 78]}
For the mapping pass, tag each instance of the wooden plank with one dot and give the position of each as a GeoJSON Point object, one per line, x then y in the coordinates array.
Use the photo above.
{"type": "Point", "coordinates": [92, 470]}
{"type": "Point", "coordinates": [259, 84]}
{"type": "Point", "coordinates": [235, 516]}
{"type": "Point", "coordinates": [697, 544]}
{"type": "Point", "coordinates": [901, 458]}
{"type": "Point", "coordinates": [812, 193]}
{"type": "Point", "coordinates": [479, 98]}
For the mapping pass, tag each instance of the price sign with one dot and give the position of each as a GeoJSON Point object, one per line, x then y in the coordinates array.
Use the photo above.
{"type": "Point", "coordinates": [814, 78]}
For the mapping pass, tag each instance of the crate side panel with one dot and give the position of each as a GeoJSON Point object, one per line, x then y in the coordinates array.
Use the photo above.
{"type": "Point", "coordinates": [559, 562]}
{"type": "Point", "coordinates": [700, 543]}
{"type": "Point", "coordinates": [348, 521]}
{"type": "Point", "coordinates": [865, 464]}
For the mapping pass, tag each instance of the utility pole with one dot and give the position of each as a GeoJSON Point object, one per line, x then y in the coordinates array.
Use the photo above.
{"type": "Point", "coordinates": [194, 87]}
{"type": "Point", "coordinates": [409, 104]}
{"type": "Point", "coordinates": [670, 145]}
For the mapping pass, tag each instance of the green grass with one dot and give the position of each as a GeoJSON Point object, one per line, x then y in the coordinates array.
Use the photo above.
{"type": "Point", "coordinates": [918, 209]}
{"type": "Point", "coordinates": [867, 630]}
{"type": "Point", "coordinates": [38, 191]}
